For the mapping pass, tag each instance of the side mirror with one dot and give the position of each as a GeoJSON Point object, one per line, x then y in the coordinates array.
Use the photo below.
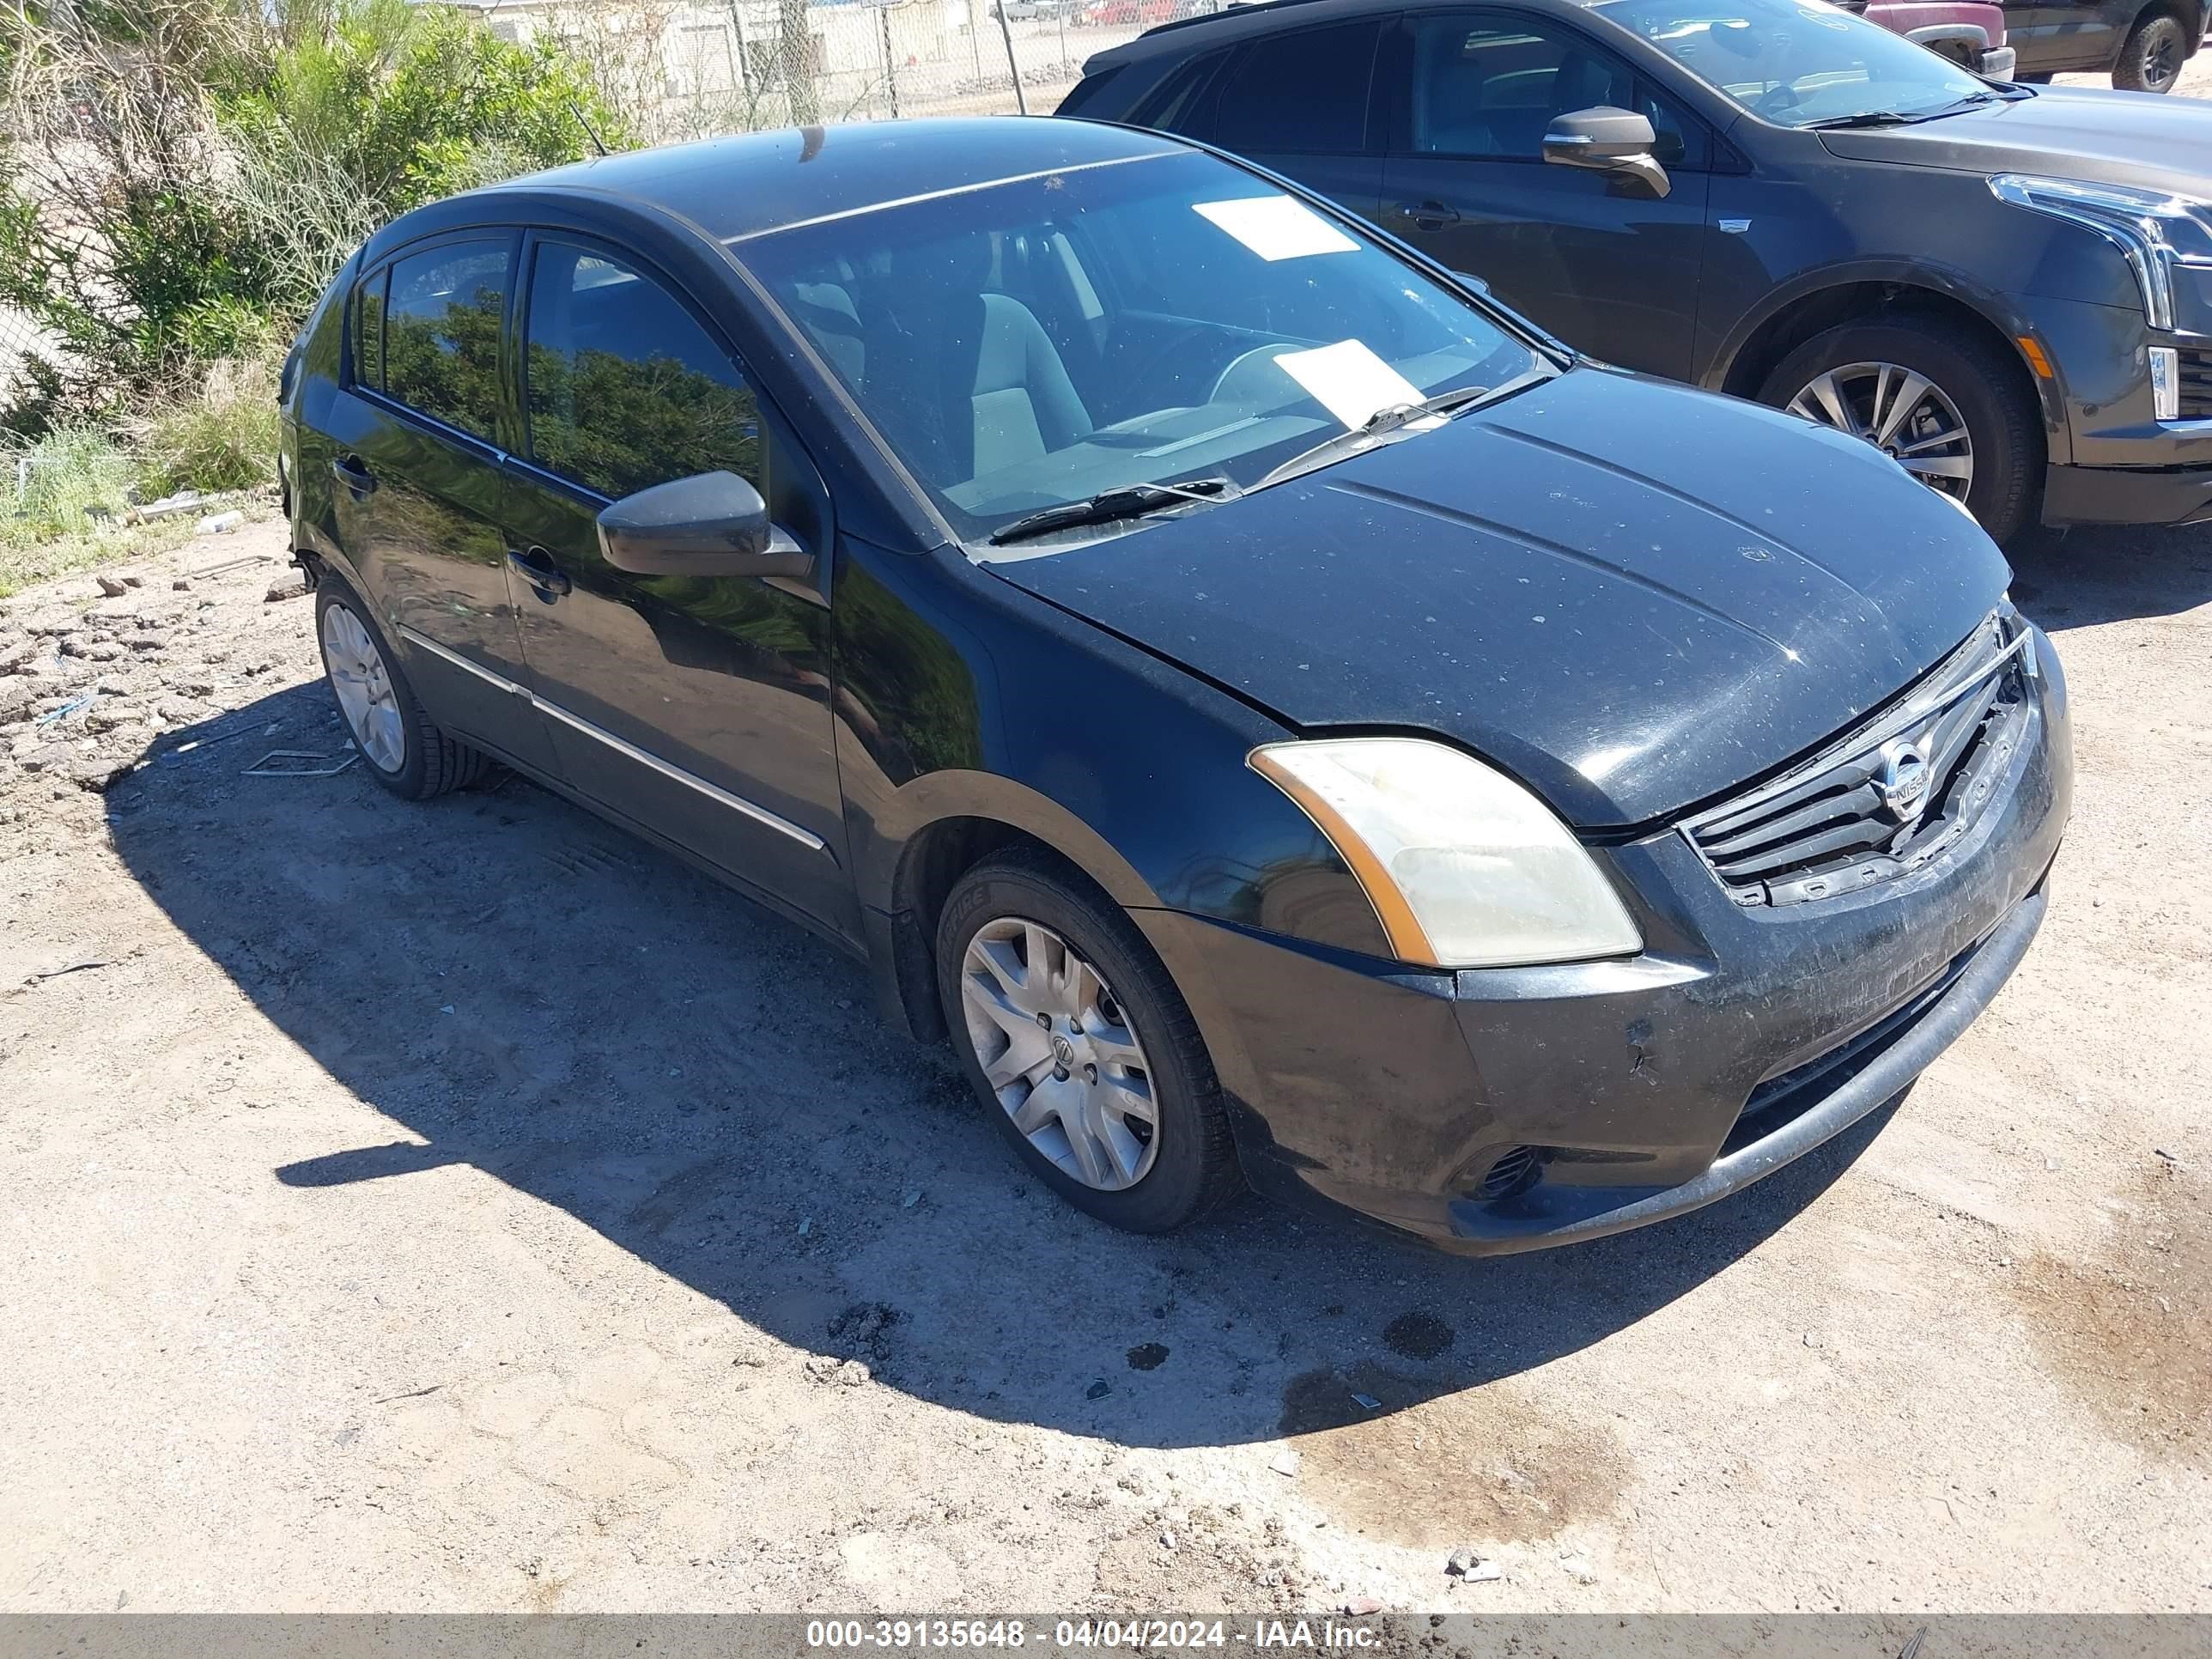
{"type": "Point", "coordinates": [1607, 140]}
{"type": "Point", "coordinates": [713, 525]}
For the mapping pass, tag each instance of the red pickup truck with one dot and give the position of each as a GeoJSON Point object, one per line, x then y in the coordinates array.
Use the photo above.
{"type": "Point", "coordinates": [1970, 31]}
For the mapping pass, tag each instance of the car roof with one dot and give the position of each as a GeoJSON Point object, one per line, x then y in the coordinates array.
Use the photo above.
{"type": "Point", "coordinates": [759, 182]}
{"type": "Point", "coordinates": [1187, 34]}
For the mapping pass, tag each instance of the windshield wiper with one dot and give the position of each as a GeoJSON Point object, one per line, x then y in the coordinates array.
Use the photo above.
{"type": "Point", "coordinates": [1893, 118]}
{"type": "Point", "coordinates": [1865, 117]}
{"type": "Point", "coordinates": [1128, 501]}
{"type": "Point", "coordinates": [1393, 417]}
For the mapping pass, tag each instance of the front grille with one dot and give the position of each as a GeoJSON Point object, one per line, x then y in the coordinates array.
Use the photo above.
{"type": "Point", "coordinates": [1886, 798]}
{"type": "Point", "coordinates": [2196, 385]}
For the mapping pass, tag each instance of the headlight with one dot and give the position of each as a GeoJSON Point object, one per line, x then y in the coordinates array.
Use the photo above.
{"type": "Point", "coordinates": [1466, 868]}
{"type": "Point", "coordinates": [2154, 231]}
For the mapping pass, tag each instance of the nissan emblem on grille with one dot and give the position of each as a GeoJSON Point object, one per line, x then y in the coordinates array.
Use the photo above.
{"type": "Point", "coordinates": [1903, 779]}
{"type": "Point", "coordinates": [1887, 799]}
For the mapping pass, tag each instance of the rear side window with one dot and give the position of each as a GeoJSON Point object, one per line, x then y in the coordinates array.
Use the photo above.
{"type": "Point", "coordinates": [441, 333]}
{"type": "Point", "coordinates": [1300, 94]}
{"type": "Point", "coordinates": [625, 390]}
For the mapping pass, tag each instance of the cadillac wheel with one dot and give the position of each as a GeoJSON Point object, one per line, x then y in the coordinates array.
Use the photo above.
{"type": "Point", "coordinates": [1085, 1054]}
{"type": "Point", "coordinates": [1951, 409]}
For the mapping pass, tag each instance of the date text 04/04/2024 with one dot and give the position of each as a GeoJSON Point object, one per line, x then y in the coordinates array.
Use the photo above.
{"type": "Point", "coordinates": [1113, 1633]}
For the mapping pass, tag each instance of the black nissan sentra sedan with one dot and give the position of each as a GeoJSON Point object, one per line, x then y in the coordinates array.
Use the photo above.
{"type": "Point", "coordinates": [1282, 717]}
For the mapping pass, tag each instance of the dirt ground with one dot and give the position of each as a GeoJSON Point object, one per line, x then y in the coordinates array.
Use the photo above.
{"type": "Point", "coordinates": [462, 1205]}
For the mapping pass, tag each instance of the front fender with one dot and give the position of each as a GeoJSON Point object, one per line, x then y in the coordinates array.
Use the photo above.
{"type": "Point", "coordinates": [1999, 310]}
{"type": "Point", "coordinates": [961, 697]}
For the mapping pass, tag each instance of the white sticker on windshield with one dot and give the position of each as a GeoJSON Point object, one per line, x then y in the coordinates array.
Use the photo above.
{"type": "Point", "coordinates": [1278, 227]}
{"type": "Point", "coordinates": [1349, 380]}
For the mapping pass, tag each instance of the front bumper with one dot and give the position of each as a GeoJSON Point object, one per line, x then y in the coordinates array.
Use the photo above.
{"type": "Point", "coordinates": [1633, 1089]}
{"type": "Point", "coordinates": [2115, 462]}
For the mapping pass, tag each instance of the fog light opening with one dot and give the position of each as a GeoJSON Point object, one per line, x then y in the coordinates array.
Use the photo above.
{"type": "Point", "coordinates": [1513, 1174]}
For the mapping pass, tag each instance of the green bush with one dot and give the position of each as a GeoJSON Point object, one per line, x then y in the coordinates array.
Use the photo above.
{"type": "Point", "coordinates": [187, 174]}
{"type": "Point", "coordinates": [221, 435]}
{"type": "Point", "coordinates": [68, 483]}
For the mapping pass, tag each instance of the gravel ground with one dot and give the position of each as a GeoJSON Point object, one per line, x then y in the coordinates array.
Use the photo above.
{"type": "Point", "coordinates": [462, 1205]}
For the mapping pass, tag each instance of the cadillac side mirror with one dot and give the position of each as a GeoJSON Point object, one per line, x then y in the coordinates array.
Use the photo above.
{"type": "Point", "coordinates": [1607, 140]}
{"type": "Point", "coordinates": [712, 524]}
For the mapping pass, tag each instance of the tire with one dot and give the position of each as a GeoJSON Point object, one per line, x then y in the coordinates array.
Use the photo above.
{"type": "Point", "coordinates": [428, 762]}
{"type": "Point", "coordinates": [2151, 60]}
{"type": "Point", "coordinates": [1982, 383]}
{"type": "Point", "coordinates": [1186, 1165]}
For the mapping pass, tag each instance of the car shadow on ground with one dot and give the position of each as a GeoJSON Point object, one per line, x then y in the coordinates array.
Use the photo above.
{"type": "Point", "coordinates": [2109, 573]}
{"type": "Point", "coordinates": [522, 988]}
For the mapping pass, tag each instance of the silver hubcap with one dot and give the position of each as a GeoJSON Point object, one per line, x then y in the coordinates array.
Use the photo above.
{"type": "Point", "coordinates": [1060, 1054]}
{"type": "Point", "coordinates": [364, 690]}
{"type": "Point", "coordinates": [1905, 416]}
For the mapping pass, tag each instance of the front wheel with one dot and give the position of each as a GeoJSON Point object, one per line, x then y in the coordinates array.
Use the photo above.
{"type": "Point", "coordinates": [2151, 60]}
{"type": "Point", "coordinates": [1080, 1048]}
{"type": "Point", "coordinates": [1946, 405]}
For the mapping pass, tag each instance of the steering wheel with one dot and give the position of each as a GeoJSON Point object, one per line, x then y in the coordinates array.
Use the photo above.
{"type": "Point", "coordinates": [1777, 98]}
{"type": "Point", "coordinates": [1191, 334]}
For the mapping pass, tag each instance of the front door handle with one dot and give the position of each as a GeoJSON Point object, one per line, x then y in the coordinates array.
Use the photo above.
{"type": "Point", "coordinates": [1431, 215]}
{"type": "Point", "coordinates": [547, 579]}
{"type": "Point", "coordinates": [353, 473]}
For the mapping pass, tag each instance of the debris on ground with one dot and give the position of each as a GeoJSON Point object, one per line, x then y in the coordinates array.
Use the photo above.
{"type": "Point", "coordinates": [289, 583]}
{"type": "Point", "coordinates": [266, 768]}
{"type": "Point", "coordinates": [220, 524]}
{"type": "Point", "coordinates": [1285, 1462]}
{"type": "Point", "coordinates": [167, 508]}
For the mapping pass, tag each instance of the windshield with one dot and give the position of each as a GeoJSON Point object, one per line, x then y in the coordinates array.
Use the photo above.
{"type": "Point", "coordinates": [1797, 62]}
{"type": "Point", "coordinates": [1171, 318]}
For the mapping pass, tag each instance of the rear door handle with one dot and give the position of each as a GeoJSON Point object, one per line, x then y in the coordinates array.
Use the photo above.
{"type": "Point", "coordinates": [353, 473]}
{"type": "Point", "coordinates": [1431, 215]}
{"type": "Point", "coordinates": [536, 567]}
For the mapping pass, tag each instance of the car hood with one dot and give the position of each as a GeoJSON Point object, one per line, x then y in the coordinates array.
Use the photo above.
{"type": "Point", "coordinates": [2107, 137]}
{"type": "Point", "coordinates": [1631, 595]}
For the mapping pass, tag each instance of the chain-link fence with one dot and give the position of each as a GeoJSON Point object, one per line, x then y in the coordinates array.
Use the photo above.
{"type": "Point", "coordinates": [689, 71]}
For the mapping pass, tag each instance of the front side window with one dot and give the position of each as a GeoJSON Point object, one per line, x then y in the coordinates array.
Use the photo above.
{"type": "Point", "coordinates": [1037, 342]}
{"type": "Point", "coordinates": [1300, 94]}
{"type": "Point", "coordinates": [625, 390]}
{"type": "Point", "coordinates": [441, 321]}
{"type": "Point", "coordinates": [1798, 63]}
{"type": "Point", "coordinates": [1488, 85]}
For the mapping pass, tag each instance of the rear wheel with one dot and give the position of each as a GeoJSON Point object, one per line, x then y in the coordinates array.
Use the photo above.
{"type": "Point", "coordinates": [403, 748]}
{"type": "Point", "coordinates": [1080, 1047]}
{"type": "Point", "coordinates": [1944, 403]}
{"type": "Point", "coordinates": [2151, 60]}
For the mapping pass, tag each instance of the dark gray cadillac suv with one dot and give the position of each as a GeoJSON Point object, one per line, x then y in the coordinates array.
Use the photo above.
{"type": "Point", "coordinates": [2007, 287]}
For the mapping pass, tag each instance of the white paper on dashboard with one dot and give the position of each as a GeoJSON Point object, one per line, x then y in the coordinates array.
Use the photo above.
{"type": "Point", "coordinates": [1349, 380]}
{"type": "Point", "coordinates": [1278, 227]}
